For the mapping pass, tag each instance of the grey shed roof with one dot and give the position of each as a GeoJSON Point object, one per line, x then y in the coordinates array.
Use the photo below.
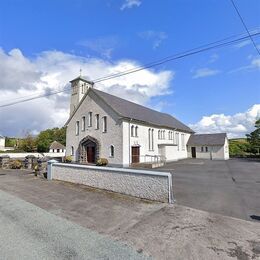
{"type": "Point", "coordinates": [1, 136]}
{"type": "Point", "coordinates": [207, 139]}
{"type": "Point", "coordinates": [134, 111]}
{"type": "Point", "coordinates": [56, 145]}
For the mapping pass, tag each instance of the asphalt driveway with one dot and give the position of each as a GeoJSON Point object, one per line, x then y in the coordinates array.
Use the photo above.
{"type": "Point", "coordinates": [42, 219]}
{"type": "Point", "coordinates": [230, 188]}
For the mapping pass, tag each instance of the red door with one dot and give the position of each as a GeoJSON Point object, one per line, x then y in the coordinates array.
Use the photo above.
{"type": "Point", "coordinates": [91, 154]}
{"type": "Point", "coordinates": [135, 154]}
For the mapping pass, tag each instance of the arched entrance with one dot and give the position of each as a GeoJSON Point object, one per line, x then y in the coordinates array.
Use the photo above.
{"type": "Point", "coordinates": [88, 150]}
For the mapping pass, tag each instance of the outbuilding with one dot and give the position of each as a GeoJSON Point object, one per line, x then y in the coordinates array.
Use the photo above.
{"type": "Point", "coordinates": [208, 146]}
{"type": "Point", "coordinates": [57, 147]}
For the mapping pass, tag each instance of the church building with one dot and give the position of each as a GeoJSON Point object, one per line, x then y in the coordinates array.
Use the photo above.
{"type": "Point", "coordinates": [105, 126]}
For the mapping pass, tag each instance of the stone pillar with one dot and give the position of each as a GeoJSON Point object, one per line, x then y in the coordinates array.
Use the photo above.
{"type": "Point", "coordinates": [49, 169]}
{"type": "Point", "coordinates": [4, 161]}
{"type": "Point", "coordinates": [29, 161]}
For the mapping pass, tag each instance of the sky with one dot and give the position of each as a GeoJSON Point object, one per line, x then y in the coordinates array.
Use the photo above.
{"type": "Point", "coordinates": [44, 44]}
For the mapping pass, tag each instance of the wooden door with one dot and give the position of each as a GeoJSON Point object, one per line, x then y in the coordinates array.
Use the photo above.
{"type": "Point", "coordinates": [135, 154]}
{"type": "Point", "coordinates": [193, 152]}
{"type": "Point", "coordinates": [91, 154]}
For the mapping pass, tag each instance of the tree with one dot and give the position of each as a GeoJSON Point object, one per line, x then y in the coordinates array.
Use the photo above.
{"type": "Point", "coordinates": [46, 137]}
{"type": "Point", "coordinates": [28, 144]}
{"type": "Point", "coordinates": [254, 138]}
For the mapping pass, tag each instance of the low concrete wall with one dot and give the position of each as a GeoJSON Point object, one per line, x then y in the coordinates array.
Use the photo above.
{"type": "Point", "coordinates": [40, 155]}
{"type": "Point", "coordinates": [150, 185]}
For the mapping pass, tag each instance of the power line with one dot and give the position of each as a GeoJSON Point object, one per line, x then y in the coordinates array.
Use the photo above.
{"type": "Point", "coordinates": [40, 96]}
{"type": "Point", "coordinates": [149, 65]}
{"type": "Point", "coordinates": [244, 24]}
{"type": "Point", "coordinates": [175, 57]}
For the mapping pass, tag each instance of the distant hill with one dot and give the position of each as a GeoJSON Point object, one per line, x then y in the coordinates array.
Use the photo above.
{"type": "Point", "coordinates": [241, 140]}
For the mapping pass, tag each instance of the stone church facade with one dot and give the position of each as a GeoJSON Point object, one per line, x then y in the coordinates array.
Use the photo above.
{"type": "Point", "coordinates": [105, 126]}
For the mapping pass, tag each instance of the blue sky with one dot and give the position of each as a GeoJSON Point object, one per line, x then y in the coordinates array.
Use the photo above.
{"type": "Point", "coordinates": [222, 82]}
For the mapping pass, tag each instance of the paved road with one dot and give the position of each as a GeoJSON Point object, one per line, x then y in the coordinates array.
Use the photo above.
{"type": "Point", "coordinates": [229, 188]}
{"type": "Point", "coordinates": [164, 231]}
{"type": "Point", "coordinates": [28, 232]}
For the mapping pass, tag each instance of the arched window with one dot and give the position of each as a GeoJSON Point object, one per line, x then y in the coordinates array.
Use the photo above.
{"type": "Point", "coordinates": [77, 127]}
{"type": "Point", "coordinates": [149, 139]}
{"type": "Point", "coordinates": [136, 131]}
{"type": "Point", "coordinates": [97, 121]}
{"type": "Point", "coordinates": [83, 123]}
{"type": "Point", "coordinates": [159, 134]}
{"type": "Point", "coordinates": [169, 135]}
{"type": "Point", "coordinates": [112, 151]}
{"type": "Point", "coordinates": [89, 119]}
{"type": "Point", "coordinates": [132, 130]}
{"type": "Point", "coordinates": [104, 124]}
{"type": "Point", "coordinates": [152, 140]}
{"type": "Point", "coordinates": [72, 151]}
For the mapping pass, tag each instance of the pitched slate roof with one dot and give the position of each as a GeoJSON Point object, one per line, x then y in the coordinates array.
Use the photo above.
{"type": "Point", "coordinates": [207, 139]}
{"type": "Point", "coordinates": [56, 145]}
{"type": "Point", "coordinates": [132, 110]}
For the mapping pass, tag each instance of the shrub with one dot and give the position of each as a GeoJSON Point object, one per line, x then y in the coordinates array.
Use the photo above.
{"type": "Point", "coordinates": [16, 164]}
{"type": "Point", "coordinates": [102, 162]}
{"type": "Point", "coordinates": [68, 159]}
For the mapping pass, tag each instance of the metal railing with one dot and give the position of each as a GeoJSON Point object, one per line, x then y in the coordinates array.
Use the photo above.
{"type": "Point", "coordinates": [152, 158]}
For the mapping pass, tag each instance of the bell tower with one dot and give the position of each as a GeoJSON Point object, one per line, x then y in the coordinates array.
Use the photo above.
{"type": "Point", "coordinates": [79, 87]}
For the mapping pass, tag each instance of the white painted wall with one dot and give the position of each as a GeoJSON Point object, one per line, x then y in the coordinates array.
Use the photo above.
{"type": "Point", "coordinates": [56, 151]}
{"type": "Point", "coordinates": [40, 155]}
{"type": "Point", "coordinates": [170, 152]}
{"type": "Point", "coordinates": [143, 184]}
{"type": "Point", "coordinates": [216, 152]}
{"type": "Point", "coordinates": [2, 143]}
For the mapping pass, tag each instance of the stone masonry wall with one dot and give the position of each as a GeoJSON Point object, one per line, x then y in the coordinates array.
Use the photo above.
{"type": "Point", "coordinates": [137, 183]}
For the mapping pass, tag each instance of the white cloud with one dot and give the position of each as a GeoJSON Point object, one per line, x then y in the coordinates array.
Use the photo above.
{"type": "Point", "coordinates": [236, 125]}
{"type": "Point", "coordinates": [254, 65]}
{"type": "Point", "coordinates": [156, 37]}
{"type": "Point", "coordinates": [52, 70]}
{"type": "Point", "coordinates": [103, 45]}
{"type": "Point", "coordinates": [242, 44]}
{"type": "Point", "coordinates": [204, 72]}
{"type": "Point", "coordinates": [130, 4]}
{"type": "Point", "coordinates": [213, 58]}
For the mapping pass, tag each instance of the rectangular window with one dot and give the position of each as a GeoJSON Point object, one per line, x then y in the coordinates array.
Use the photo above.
{"type": "Point", "coordinates": [206, 148]}
{"type": "Point", "coordinates": [104, 124]}
{"type": "Point", "coordinates": [77, 128]}
{"type": "Point", "coordinates": [97, 121]}
{"type": "Point", "coordinates": [202, 149]}
{"type": "Point", "coordinates": [90, 119]}
{"type": "Point", "coordinates": [182, 142]}
{"type": "Point", "coordinates": [83, 123]}
{"type": "Point", "coordinates": [177, 141]}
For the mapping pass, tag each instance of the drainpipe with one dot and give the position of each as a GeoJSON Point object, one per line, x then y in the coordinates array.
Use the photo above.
{"type": "Point", "coordinates": [129, 143]}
